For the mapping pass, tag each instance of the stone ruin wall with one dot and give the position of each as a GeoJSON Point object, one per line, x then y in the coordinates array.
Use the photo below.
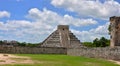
{"type": "Point", "coordinates": [115, 31]}
{"type": "Point", "coordinates": [105, 52]}
{"type": "Point", "coordinates": [102, 52]}
{"type": "Point", "coordinates": [33, 50]}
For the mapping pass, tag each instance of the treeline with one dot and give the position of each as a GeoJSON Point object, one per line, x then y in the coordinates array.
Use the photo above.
{"type": "Point", "coordinates": [24, 44]}
{"type": "Point", "coordinates": [102, 42]}
{"type": "Point", "coordinates": [16, 43]}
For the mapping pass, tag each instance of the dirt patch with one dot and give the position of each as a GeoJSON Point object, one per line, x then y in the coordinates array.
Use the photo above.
{"type": "Point", "coordinates": [11, 59]}
{"type": "Point", "coordinates": [117, 62]}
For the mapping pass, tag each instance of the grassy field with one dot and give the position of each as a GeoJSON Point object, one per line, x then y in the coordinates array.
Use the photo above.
{"type": "Point", "coordinates": [63, 60]}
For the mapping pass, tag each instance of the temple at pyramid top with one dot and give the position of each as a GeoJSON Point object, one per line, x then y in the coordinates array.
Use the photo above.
{"type": "Point", "coordinates": [62, 37]}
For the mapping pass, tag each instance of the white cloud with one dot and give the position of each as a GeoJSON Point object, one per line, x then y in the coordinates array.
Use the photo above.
{"type": "Point", "coordinates": [92, 8]}
{"type": "Point", "coordinates": [52, 18]}
{"type": "Point", "coordinates": [4, 14]}
{"type": "Point", "coordinates": [42, 24]}
{"type": "Point", "coordinates": [90, 35]}
{"type": "Point", "coordinates": [14, 24]}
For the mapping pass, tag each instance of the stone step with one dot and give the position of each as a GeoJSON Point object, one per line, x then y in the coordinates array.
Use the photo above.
{"type": "Point", "coordinates": [74, 40]}
{"type": "Point", "coordinates": [55, 35]}
{"type": "Point", "coordinates": [53, 41]}
{"type": "Point", "coordinates": [70, 33]}
{"type": "Point", "coordinates": [56, 32]}
{"type": "Point", "coordinates": [73, 37]}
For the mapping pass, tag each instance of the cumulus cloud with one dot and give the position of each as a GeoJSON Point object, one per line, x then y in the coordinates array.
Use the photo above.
{"type": "Point", "coordinates": [52, 18]}
{"type": "Point", "coordinates": [42, 24]}
{"type": "Point", "coordinates": [4, 14]}
{"type": "Point", "coordinates": [23, 30]}
{"type": "Point", "coordinates": [91, 8]}
{"type": "Point", "coordinates": [90, 35]}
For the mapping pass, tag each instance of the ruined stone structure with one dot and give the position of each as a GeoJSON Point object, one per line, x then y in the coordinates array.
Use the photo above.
{"type": "Point", "coordinates": [101, 52]}
{"type": "Point", "coordinates": [63, 41]}
{"type": "Point", "coordinates": [115, 31]}
{"type": "Point", "coordinates": [96, 52]}
{"type": "Point", "coordinates": [62, 37]}
{"type": "Point", "coordinates": [33, 50]}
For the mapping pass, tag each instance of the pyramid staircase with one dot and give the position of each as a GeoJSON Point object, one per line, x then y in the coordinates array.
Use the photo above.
{"type": "Point", "coordinates": [62, 37]}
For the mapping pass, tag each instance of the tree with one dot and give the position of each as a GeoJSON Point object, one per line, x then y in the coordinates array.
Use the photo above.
{"type": "Point", "coordinates": [1, 42]}
{"type": "Point", "coordinates": [22, 44]}
{"type": "Point", "coordinates": [88, 44]}
{"type": "Point", "coordinates": [96, 42]}
{"type": "Point", "coordinates": [102, 42]}
{"type": "Point", "coordinates": [31, 45]}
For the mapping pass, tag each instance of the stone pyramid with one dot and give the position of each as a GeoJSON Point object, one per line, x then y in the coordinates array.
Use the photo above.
{"type": "Point", "coordinates": [62, 37]}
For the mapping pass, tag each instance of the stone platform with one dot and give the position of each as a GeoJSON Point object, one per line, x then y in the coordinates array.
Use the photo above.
{"type": "Point", "coordinates": [62, 37]}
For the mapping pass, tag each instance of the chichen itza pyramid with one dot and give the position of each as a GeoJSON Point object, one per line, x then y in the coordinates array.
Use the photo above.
{"type": "Point", "coordinates": [62, 37]}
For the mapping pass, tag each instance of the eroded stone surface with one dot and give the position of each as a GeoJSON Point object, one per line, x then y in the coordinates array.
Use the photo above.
{"type": "Point", "coordinates": [62, 37]}
{"type": "Point", "coordinates": [115, 31]}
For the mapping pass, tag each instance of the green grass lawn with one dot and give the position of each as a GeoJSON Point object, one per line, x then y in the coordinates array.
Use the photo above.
{"type": "Point", "coordinates": [63, 60]}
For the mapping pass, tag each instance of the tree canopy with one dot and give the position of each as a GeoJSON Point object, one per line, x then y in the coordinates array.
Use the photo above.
{"type": "Point", "coordinates": [102, 42]}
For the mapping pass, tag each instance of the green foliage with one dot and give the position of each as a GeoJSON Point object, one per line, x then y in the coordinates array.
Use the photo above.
{"type": "Point", "coordinates": [88, 44]}
{"type": "Point", "coordinates": [23, 44]}
{"type": "Point", "coordinates": [1, 42]}
{"type": "Point", "coordinates": [63, 60]}
{"type": "Point", "coordinates": [102, 42]}
{"type": "Point", "coordinates": [31, 45]}
{"type": "Point", "coordinates": [96, 42]}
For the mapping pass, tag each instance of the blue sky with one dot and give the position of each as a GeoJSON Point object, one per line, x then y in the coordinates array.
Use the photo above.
{"type": "Point", "coordinates": [33, 20]}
